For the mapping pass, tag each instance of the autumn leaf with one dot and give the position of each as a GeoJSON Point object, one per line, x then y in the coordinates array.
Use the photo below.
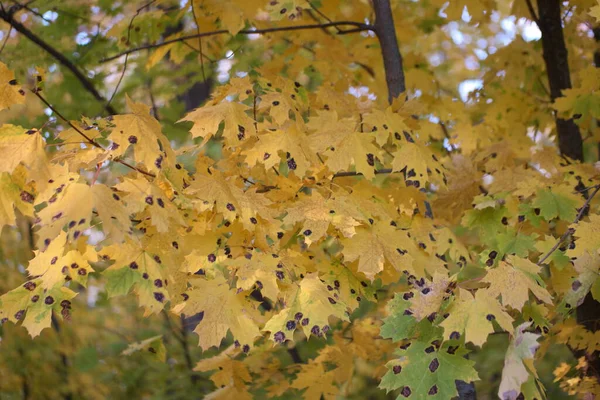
{"type": "Point", "coordinates": [514, 279]}
{"type": "Point", "coordinates": [473, 316]}
{"type": "Point", "coordinates": [238, 126]}
{"type": "Point", "coordinates": [34, 305]}
{"type": "Point", "coordinates": [10, 91]}
{"type": "Point", "coordinates": [20, 145]}
{"type": "Point", "coordinates": [309, 306]}
{"type": "Point", "coordinates": [140, 131]}
{"type": "Point", "coordinates": [222, 310]}
{"type": "Point", "coordinates": [374, 245]}
{"type": "Point", "coordinates": [518, 363]}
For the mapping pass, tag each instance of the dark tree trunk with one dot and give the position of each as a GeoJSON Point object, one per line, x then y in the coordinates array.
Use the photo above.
{"type": "Point", "coordinates": [557, 68]}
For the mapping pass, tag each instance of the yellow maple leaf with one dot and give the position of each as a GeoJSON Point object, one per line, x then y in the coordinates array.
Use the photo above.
{"type": "Point", "coordinates": [238, 126]}
{"type": "Point", "coordinates": [142, 132]}
{"type": "Point", "coordinates": [19, 145]}
{"type": "Point", "coordinates": [114, 217]}
{"type": "Point", "coordinates": [14, 194]}
{"type": "Point", "coordinates": [142, 195]}
{"type": "Point", "coordinates": [317, 213]}
{"type": "Point", "coordinates": [588, 236]}
{"type": "Point", "coordinates": [317, 382]}
{"type": "Point", "coordinates": [426, 302]}
{"type": "Point", "coordinates": [218, 191]}
{"type": "Point", "coordinates": [222, 310]}
{"type": "Point", "coordinates": [308, 306]}
{"type": "Point", "coordinates": [70, 205]}
{"type": "Point", "coordinates": [290, 144]}
{"type": "Point", "coordinates": [229, 370]}
{"type": "Point", "coordinates": [135, 266]}
{"type": "Point", "coordinates": [54, 266]}
{"type": "Point", "coordinates": [260, 270]}
{"type": "Point", "coordinates": [513, 279]}
{"type": "Point", "coordinates": [473, 315]}
{"type": "Point", "coordinates": [10, 92]}
{"type": "Point", "coordinates": [34, 305]}
{"type": "Point", "coordinates": [378, 243]}
{"type": "Point", "coordinates": [420, 163]}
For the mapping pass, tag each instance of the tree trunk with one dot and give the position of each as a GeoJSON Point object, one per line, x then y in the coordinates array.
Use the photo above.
{"type": "Point", "coordinates": [557, 68]}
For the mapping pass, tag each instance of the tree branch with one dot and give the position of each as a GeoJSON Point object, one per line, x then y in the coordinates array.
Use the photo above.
{"type": "Point", "coordinates": [358, 25]}
{"type": "Point", "coordinates": [392, 59]}
{"type": "Point", "coordinates": [87, 84]}
{"type": "Point", "coordinates": [582, 211]}
{"type": "Point", "coordinates": [352, 173]}
{"type": "Point", "coordinates": [532, 11]}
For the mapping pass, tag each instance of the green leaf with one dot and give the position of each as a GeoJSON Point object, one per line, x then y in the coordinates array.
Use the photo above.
{"type": "Point", "coordinates": [513, 242]}
{"type": "Point", "coordinates": [119, 281]}
{"type": "Point", "coordinates": [556, 202]}
{"type": "Point", "coordinates": [423, 371]}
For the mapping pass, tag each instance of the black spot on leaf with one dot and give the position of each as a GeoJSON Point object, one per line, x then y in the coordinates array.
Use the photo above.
{"type": "Point", "coordinates": [434, 365]}
{"type": "Point", "coordinates": [406, 392]}
{"type": "Point", "coordinates": [279, 337]}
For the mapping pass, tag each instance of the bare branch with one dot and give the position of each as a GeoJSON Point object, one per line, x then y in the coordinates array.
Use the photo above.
{"type": "Point", "coordinates": [138, 11]}
{"type": "Point", "coordinates": [358, 25]}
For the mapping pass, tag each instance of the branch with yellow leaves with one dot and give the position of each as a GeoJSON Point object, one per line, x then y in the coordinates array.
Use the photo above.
{"type": "Point", "coordinates": [86, 137]}
{"type": "Point", "coordinates": [358, 27]}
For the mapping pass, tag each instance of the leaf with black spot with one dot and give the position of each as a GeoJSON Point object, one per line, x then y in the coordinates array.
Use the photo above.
{"type": "Point", "coordinates": [428, 374]}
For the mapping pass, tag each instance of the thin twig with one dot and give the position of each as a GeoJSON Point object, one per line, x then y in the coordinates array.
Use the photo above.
{"type": "Point", "coordinates": [6, 39]}
{"type": "Point", "coordinates": [351, 173]}
{"type": "Point", "coordinates": [139, 10]}
{"type": "Point", "coordinates": [532, 11]}
{"type": "Point", "coordinates": [55, 111]}
{"type": "Point", "coordinates": [199, 44]}
{"type": "Point", "coordinates": [570, 231]}
{"type": "Point", "coordinates": [358, 25]}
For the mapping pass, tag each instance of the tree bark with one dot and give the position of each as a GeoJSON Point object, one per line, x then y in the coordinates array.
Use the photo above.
{"type": "Point", "coordinates": [549, 21]}
{"type": "Point", "coordinates": [392, 59]}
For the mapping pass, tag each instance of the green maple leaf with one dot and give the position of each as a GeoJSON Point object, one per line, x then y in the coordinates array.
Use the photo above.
{"type": "Point", "coordinates": [513, 242]}
{"type": "Point", "coordinates": [398, 326]}
{"type": "Point", "coordinates": [424, 371]}
{"type": "Point", "coordinates": [557, 202]}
